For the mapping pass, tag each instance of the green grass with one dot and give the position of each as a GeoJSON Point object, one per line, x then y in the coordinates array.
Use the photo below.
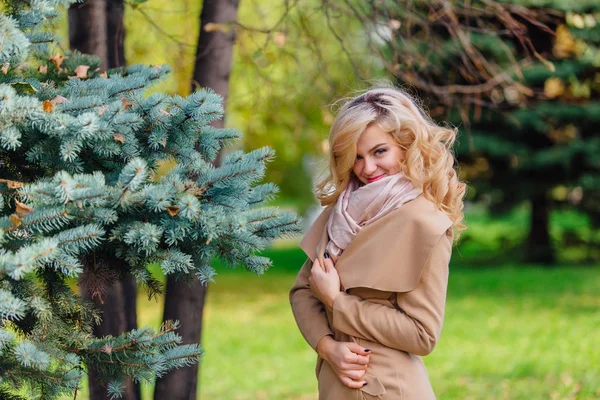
{"type": "Point", "coordinates": [510, 333]}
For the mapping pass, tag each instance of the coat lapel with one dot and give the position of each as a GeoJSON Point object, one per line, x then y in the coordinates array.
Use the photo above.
{"type": "Point", "coordinates": [315, 234]}
{"type": "Point", "coordinates": [391, 253]}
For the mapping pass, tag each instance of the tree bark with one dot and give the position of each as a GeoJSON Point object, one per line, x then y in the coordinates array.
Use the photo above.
{"type": "Point", "coordinates": [185, 300]}
{"type": "Point", "coordinates": [539, 245]}
{"type": "Point", "coordinates": [118, 316]}
{"type": "Point", "coordinates": [96, 27]}
{"type": "Point", "coordinates": [115, 33]}
{"type": "Point", "coordinates": [87, 29]}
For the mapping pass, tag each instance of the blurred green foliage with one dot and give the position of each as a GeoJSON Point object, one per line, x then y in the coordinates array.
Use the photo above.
{"type": "Point", "coordinates": [499, 239]}
{"type": "Point", "coordinates": [289, 69]}
{"type": "Point", "coordinates": [287, 72]}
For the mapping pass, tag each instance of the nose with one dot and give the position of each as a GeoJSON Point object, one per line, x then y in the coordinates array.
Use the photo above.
{"type": "Point", "coordinates": [370, 166]}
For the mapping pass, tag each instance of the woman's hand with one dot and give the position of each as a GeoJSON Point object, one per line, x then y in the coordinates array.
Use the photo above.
{"type": "Point", "coordinates": [324, 282]}
{"type": "Point", "coordinates": [347, 359]}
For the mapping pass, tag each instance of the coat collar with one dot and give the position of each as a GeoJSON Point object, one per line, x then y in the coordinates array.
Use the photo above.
{"type": "Point", "coordinates": [389, 254]}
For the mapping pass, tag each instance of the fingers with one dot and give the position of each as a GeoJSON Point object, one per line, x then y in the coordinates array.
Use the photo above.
{"type": "Point", "coordinates": [356, 359]}
{"type": "Point", "coordinates": [355, 375]}
{"type": "Point", "coordinates": [353, 366]}
{"type": "Point", "coordinates": [358, 349]}
{"type": "Point", "coordinates": [352, 383]}
{"type": "Point", "coordinates": [328, 264]}
{"type": "Point", "coordinates": [316, 263]}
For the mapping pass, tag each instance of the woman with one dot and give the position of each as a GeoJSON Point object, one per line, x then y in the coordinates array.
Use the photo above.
{"type": "Point", "coordinates": [370, 298]}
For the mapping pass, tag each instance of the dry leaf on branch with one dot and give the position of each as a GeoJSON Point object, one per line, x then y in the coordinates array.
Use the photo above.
{"type": "Point", "coordinates": [173, 210]}
{"type": "Point", "coordinates": [15, 220]}
{"type": "Point", "coordinates": [104, 75]}
{"type": "Point", "coordinates": [12, 184]}
{"type": "Point", "coordinates": [125, 103]}
{"type": "Point", "coordinates": [22, 208]}
{"type": "Point", "coordinates": [57, 59]}
{"type": "Point", "coordinates": [58, 100]}
{"type": "Point", "coordinates": [81, 71]}
{"type": "Point", "coordinates": [43, 69]}
{"type": "Point", "coordinates": [47, 105]}
{"type": "Point", "coordinates": [119, 137]}
{"type": "Point", "coordinates": [4, 68]}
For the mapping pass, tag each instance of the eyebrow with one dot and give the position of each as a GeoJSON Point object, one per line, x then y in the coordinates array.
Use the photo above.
{"type": "Point", "coordinates": [376, 146]}
{"type": "Point", "coordinates": [373, 148]}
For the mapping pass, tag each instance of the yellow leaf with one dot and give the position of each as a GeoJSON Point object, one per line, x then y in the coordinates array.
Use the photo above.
{"type": "Point", "coordinates": [213, 27]}
{"type": "Point", "coordinates": [15, 221]}
{"type": "Point", "coordinates": [81, 71]}
{"type": "Point", "coordinates": [47, 105]}
{"type": "Point", "coordinates": [173, 210]}
{"type": "Point", "coordinates": [119, 137]}
{"type": "Point", "coordinates": [22, 208]}
{"type": "Point", "coordinates": [578, 21]}
{"type": "Point", "coordinates": [43, 69]}
{"type": "Point", "coordinates": [565, 44]}
{"type": "Point", "coordinates": [553, 87]}
{"type": "Point", "coordinates": [57, 59]}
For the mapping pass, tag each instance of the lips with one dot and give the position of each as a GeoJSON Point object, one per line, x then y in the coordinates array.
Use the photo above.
{"type": "Point", "coordinates": [375, 178]}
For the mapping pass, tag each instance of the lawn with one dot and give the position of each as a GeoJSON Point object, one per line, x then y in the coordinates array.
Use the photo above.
{"type": "Point", "coordinates": [510, 333]}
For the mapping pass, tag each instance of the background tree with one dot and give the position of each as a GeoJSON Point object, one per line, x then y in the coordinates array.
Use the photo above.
{"type": "Point", "coordinates": [78, 146]}
{"type": "Point", "coordinates": [521, 82]}
{"type": "Point", "coordinates": [185, 300]}
{"type": "Point", "coordinates": [96, 27]}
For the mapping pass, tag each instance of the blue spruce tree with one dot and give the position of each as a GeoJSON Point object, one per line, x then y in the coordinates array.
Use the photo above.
{"type": "Point", "coordinates": [79, 198]}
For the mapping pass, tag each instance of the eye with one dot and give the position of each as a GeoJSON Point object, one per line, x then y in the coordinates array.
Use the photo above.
{"type": "Point", "coordinates": [358, 158]}
{"type": "Point", "coordinates": [380, 151]}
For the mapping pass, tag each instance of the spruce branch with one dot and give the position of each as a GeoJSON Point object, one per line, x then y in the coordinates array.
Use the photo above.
{"type": "Point", "coordinates": [53, 226]}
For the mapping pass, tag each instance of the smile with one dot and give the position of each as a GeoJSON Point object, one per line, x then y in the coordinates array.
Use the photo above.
{"type": "Point", "coordinates": [375, 178]}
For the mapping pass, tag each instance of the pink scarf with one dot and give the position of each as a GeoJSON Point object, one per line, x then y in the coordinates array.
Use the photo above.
{"type": "Point", "coordinates": [360, 206]}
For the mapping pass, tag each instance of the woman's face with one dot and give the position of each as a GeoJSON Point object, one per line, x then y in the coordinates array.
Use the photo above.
{"type": "Point", "coordinates": [377, 155]}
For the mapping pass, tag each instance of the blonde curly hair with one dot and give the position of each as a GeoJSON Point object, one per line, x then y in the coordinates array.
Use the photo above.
{"type": "Point", "coordinates": [428, 162]}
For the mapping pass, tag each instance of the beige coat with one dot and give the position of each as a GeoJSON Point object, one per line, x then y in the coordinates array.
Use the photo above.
{"type": "Point", "coordinates": [394, 277]}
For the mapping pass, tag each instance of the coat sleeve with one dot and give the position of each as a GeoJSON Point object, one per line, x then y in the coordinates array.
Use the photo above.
{"type": "Point", "coordinates": [308, 310]}
{"type": "Point", "coordinates": [416, 327]}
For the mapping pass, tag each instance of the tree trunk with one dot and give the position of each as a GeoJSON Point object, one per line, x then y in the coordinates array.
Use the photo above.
{"type": "Point", "coordinates": [539, 246]}
{"type": "Point", "coordinates": [87, 29]}
{"type": "Point", "coordinates": [118, 316]}
{"type": "Point", "coordinates": [185, 300]}
{"type": "Point", "coordinates": [96, 27]}
{"type": "Point", "coordinates": [115, 33]}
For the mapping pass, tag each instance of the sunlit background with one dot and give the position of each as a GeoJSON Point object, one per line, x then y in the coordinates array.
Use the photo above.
{"type": "Point", "coordinates": [523, 304]}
